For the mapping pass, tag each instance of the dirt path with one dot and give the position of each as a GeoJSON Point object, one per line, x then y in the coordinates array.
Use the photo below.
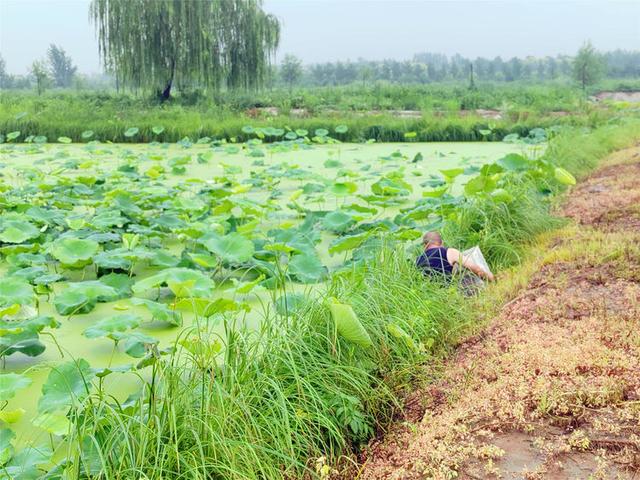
{"type": "Point", "coordinates": [550, 389]}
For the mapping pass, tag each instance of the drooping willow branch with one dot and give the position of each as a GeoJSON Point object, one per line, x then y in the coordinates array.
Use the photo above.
{"type": "Point", "coordinates": [159, 44]}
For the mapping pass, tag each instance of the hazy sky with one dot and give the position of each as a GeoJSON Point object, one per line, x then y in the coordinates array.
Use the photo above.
{"type": "Point", "coordinates": [323, 30]}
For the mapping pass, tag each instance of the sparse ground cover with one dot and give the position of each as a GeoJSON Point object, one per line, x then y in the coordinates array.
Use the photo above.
{"type": "Point", "coordinates": [549, 388]}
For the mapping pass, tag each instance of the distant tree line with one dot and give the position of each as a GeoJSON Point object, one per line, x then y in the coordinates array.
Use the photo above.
{"type": "Point", "coordinates": [436, 67]}
{"type": "Point", "coordinates": [585, 68]}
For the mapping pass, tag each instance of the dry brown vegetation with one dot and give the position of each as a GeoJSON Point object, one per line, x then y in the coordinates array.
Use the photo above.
{"type": "Point", "coordinates": [550, 387]}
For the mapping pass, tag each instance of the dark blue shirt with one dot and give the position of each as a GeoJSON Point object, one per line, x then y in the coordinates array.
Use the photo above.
{"type": "Point", "coordinates": [434, 261]}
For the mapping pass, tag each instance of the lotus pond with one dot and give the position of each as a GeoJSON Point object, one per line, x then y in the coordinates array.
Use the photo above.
{"type": "Point", "coordinates": [109, 251]}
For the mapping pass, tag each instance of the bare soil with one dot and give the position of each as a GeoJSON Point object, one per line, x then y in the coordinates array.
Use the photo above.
{"type": "Point", "coordinates": [550, 389]}
{"type": "Point", "coordinates": [632, 97]}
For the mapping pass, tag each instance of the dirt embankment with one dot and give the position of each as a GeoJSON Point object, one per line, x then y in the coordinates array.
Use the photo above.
{"type": "Point", "coordinates": [632, 97]}
{"type": "Point", "coordinates": [550, 389]}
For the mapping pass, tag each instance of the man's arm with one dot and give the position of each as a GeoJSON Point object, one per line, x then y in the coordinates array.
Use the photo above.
{"type": "Point", "coordinates": [455, 256]}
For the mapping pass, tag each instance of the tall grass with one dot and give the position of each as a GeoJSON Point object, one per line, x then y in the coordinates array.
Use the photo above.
{"type": "Point", "coordinates": [502, 230]}
{"type": "Point", "coordinates": [281, 401]}
{"type": "Point", "coordinates": [365, 111]}
{"type": "Point", "coordinates": [282, 397]}
{"type": "Point", "coordinates": [580, 150]}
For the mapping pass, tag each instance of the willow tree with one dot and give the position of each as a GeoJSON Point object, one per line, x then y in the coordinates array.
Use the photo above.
{"type": "Point", "coordinates": [154, 45]}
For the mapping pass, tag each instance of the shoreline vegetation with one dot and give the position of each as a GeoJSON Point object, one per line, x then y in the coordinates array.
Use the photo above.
{"type": "Point", "coordinates": [384, 113]}
{"type": "Point", "coordinates": [322, 375]}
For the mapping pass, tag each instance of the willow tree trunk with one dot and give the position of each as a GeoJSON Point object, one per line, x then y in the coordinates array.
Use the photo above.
{"type": "Point", "coordinates": [166, 93]}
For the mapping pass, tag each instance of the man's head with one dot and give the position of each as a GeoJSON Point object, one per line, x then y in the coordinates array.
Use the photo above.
{"type": "Point", "coordinates": [432, 239]}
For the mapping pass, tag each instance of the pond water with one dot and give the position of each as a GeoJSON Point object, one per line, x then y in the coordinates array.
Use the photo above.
{"type": "Point", "coordinates": [267, 182]}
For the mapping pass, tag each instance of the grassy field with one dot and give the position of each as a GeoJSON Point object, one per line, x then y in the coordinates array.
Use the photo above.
{"type": "Point", "coordinates": [113, 251]}
{"type": "Point", "coordinates": [435, 112]}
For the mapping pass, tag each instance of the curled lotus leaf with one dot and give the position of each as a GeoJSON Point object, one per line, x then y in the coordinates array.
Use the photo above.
{"type": "Point", "coordinates": [160, 311]}
{"type": "Point", "coordinates": [74, 252]}
{"type": "Point", "coordinates": [182, 281]}
{"type": "Point", "coordinates": [563, 176]}
{"type": "Point", "coordinates": [17, 231]}
{"type": "Point", "coordinates": [113, 324]}
{"type": "Point", "coordinates": [348, 324]}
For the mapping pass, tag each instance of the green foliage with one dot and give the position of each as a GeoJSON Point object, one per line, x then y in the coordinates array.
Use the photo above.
{"type": "Point", "coordinates": [10, 383]}
{"type": "Point", "coordinates": [23, 336]}
{"type": "Point", "coordinates": [232, 248]}
{"type": "Point", "coordinates": [367, 113]}
{"type": "Point", "coordinates": [113, 324]}
{"type": "Point", "coordinates": [61, 66]}
{"type": "Point", "coordinates": [588, 66]}
{"type": "Point", "coordinates": [291, 69]}
{"type": "Point", "coordinates": [74, 252]}
{"type": "Point", "coordinates": [317, 374]}
{"type": "Point", "coordinates": [348, 325]}
{"type": "Point", "coordinates": [171, 42]}
{"type": "Point", "coordinates": [67, 385]}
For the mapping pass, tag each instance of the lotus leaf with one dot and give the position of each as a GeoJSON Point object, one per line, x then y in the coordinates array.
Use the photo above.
{"type": "Point", "coordinates": [135, 344]}
{"type": "Point", "coordinates": [348, 325]}
{"type": "Point", "coordinates": [563, 176]}
{"type": "Point", "coordinates": [17, 231]}
{"type": "Point", "coordinates": [231, 248]}
{"type": "Point", "coordinates": [120, 282]}
{"type": "Point", "coordinates": [15, 290]}
{"type": "Point", "coordinates": [451, 173]}
{"type": "Point", "coordinates": [47, 279]}
{"type": "Point", "coordinates": [26, 464]}
{"type": "Point", "coordinates": [12, 416]}
{"type": "Point", "coordinates": [480, 183]}
{"type": "Point", "coordinates": [53, 423]}
{"type": "Point", "coordinates": [22, 336]}
{"type": "Point", "coordinates": [182, 281]}
{"type": "Point", "coordinates": [514, 162]}
{"type": "Point", "coordinates": [206, 307]}
{"type": "Point", "coordinates": [66, 385]}
{"type": "Point", "coordinates": [338, 221]}
{"type": "Point", "coordinates": [74, 252]}
{"type": "Point", "coordinates": [10, 383]}
{"type": "Point", "coordinates": [112, 324]}
{"type": "Point", "coordinates": [6, 448]}
{"type": "Point", "coordinates": [343, 188]}
{"type": "Point", "coordinates": [160, 311]}
{"type": "Point", "coordinates": [307, 268]}
{"type": "Point", "coordinates": [73, 302]}
{"type": "Point", "coordinates": [350, 242]}
{"type": "Point", "coordinates": [391, 185]}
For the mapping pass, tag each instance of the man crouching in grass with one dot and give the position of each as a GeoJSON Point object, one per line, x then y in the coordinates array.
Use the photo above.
{"type": "Point", "coordinates": [441, 261]}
